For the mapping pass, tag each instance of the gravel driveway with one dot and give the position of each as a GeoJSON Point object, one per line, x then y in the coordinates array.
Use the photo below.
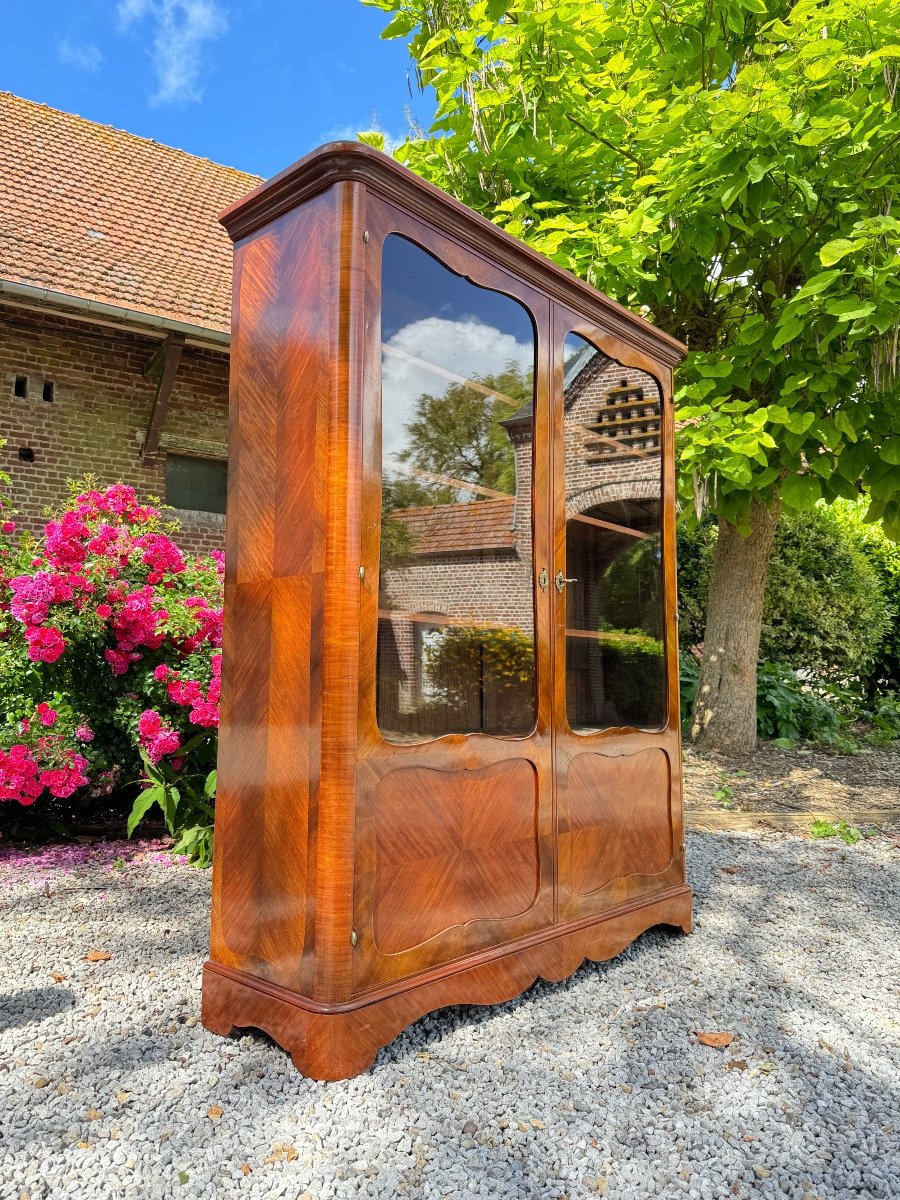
{"type": "Point", "coordinates": [109, 1087]}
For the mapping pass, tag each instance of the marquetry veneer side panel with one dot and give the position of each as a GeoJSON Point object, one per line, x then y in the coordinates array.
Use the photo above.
{"type": "Point", "coordinates": [271, 693]}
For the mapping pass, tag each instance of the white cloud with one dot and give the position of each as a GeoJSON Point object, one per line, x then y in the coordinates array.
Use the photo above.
{"type": "Point", "coordinates": [83, 55]}
{"type": "Point", "coordinates": [467, 347]}
{"type": "Point", "coordinates": [181, 30]}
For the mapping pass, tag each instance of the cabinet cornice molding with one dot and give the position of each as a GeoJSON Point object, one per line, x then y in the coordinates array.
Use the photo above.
{"type": "Point", "coordinates": [338, 162]}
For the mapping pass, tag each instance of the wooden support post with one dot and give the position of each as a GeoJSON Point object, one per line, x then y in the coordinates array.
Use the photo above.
{"type": "Point", "coordinates": [164, 363]}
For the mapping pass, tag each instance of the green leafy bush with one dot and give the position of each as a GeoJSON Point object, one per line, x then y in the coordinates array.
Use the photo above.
{"type": "Point", "coordinates": [826, 829]}
{"type": "Point", "coordinates": [787, 708]}
{"type": "Point", "coordinates": [825, 608]}
{"type": "Point", "coordinates": [695, 545]}
{"type": "Point", "coordinates": [688, 678]}
{"type": "Point", "coordinates": [484, 677]}
{"type": "Point", "coordinates": [830, 609]}
{"type": "Point", "coordinates": [634, 675]}
{"type": "Point", "coordinates": [883, 556]}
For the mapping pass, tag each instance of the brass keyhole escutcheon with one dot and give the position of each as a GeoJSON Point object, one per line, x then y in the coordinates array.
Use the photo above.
{"type": "Point", "coordinates": [561, 581]}
{"type": "Point", "coordinates": [544, 579]}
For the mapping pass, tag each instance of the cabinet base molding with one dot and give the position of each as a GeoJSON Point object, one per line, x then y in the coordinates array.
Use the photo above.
{"type": "Point", "coordinates": [340, 1041]}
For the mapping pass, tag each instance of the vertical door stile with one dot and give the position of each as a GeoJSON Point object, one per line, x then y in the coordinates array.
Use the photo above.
{"type": "Point", "coordinates": [553, 425]}
{"type": "Point", "coordinates": [340, 668]}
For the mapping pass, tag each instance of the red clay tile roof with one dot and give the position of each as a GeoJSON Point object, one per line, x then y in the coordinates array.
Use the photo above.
{"type": "Point", "coordinates": [104, 215]}
{"type": "Point", "coordinates": [482, 525]}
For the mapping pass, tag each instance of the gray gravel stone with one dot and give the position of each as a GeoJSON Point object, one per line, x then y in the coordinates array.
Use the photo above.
{"type": "Point", "coordinates": [593, 1087]}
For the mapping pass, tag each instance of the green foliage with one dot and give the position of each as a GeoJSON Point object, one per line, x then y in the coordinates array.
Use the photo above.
{"type": "Point", "coordinates": [724, 793]}
{"type": "Point", "coordinates": [829, 609]}
{"type": "Point", "coordinates": [633, 672]}
{"type": "Point", "coordinates": [630, 593]}
{"type": "Point", "coordinates": [186, 801]}
{"type": "Point", "coordinates": [495, 664]}
{"type": "Point", "coordinates": [789, 710]}
{"type": "Point", "coordinates": [694, 549]}
{"type": "Point", "coordinates": [825, 609]}
{"type": "Point", "coordinates": [883, 556]}
{"type": "Point", "coordinates": [825, 829]}
{"type": "Point", "coordinates": [730, 168]}
{"type": "Point", "coordinates": [689, 677]}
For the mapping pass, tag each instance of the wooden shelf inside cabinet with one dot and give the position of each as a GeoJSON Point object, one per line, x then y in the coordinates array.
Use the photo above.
{"type": "Point", "coordinates": [444, 769]}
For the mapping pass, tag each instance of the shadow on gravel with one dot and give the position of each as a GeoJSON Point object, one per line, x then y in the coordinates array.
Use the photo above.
{"type": "Point", "coordinates": [33, 1005]}
{"type": "Point", "coordinates": [789, 953]}
{"type": "Point", "coordinates": [786, 957]}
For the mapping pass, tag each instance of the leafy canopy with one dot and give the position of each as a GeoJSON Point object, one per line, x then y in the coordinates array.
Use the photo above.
{"type": "Point", "coordinates": [729, 167]}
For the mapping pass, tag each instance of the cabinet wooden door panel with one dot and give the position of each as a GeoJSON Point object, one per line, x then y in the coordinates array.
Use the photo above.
{"type": "Point", "coordinates": [614, 728]}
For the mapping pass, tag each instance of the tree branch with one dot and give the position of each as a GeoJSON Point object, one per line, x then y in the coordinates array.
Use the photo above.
{"type": "Point", "coordinates": [605, 141]}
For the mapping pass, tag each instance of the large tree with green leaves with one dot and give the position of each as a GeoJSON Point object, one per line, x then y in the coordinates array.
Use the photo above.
{"type": "Point", "coordinates": [730, 167]}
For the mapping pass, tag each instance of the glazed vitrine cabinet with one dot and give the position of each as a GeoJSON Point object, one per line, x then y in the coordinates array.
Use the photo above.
{"type": "Point", "coordinates": [449, 758]}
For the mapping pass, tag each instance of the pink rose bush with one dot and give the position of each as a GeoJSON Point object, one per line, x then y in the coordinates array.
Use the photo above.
{"type": "Point", "coordinates": [110, 661]}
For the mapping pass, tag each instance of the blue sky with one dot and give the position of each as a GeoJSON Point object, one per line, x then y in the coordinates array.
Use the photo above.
{"type": "Point", "coordinates": [251, 83]}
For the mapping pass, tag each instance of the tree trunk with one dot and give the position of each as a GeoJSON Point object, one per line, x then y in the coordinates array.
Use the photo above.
{"type": "Point", "coordinates": [724, 715]}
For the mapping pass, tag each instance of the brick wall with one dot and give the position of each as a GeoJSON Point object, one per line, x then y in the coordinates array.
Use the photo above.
{"type": "Point", "coordinates": [98, 417]}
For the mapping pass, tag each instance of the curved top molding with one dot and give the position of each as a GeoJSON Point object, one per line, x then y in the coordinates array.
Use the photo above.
{"type": "Point", "coordinates": [339, 162]}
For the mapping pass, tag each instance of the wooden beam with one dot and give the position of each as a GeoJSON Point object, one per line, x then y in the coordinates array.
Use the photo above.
{"type": "Point", "coordinates": [716, 818]}
{"type": "Point", "coordinates": [154, 366]}
{"type": "Point", "coordinates": [402, 468]}
{"type": "Point", "coordinates": [170, 353]}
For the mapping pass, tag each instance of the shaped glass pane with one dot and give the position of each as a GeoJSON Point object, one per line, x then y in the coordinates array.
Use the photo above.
{"type": "Point", "coordinates": [456, 602]}
{"type": "Point", "coordinates": [615, 660]}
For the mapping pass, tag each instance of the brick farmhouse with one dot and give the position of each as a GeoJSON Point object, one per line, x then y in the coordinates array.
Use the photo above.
{"type": "Point", "coordinates": [115, 303]}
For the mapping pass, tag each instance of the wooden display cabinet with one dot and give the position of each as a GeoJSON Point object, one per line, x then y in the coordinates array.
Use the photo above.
{"type": "Point", "coordinates": [449, 754]}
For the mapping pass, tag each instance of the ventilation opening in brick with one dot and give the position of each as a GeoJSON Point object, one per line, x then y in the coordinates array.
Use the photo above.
{"type": "Point", "coordinates": [26, 454]}
{"type": "Point", "coordinates": [47, 392]}
{"type": "Point", "coordinates": [20, 387]}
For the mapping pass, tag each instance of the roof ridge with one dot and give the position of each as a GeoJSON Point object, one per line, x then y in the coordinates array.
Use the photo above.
{"type": "Point", "coordinates": [128, 134]}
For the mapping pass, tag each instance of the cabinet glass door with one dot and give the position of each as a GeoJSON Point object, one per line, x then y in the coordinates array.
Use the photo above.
{"type": "Point", "coordinates": [613, 743]}
{"type": "Point", "coordinates": [456, 647]}
{"type": "Point", "coordinates": [454, 810]}
{"type": "Point", "coordinates": [613, 583]}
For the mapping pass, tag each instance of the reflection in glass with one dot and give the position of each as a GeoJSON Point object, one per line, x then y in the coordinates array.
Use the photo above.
{"type": "Point", "coordinates": [456, 605]}
{"type": "Point", "coordinates": [615, 663]}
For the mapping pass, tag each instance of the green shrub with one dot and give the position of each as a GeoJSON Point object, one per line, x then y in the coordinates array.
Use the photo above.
{"type": "Point", "coordinates": [634, 675]}
{"type": "Point", "coordinates": [688, 678]}
{"type": "Point", "coordinates": [484, 678]}
{"type": "Point", "coordinates": [883, 556]}
{"type": "Point", "coordinates": [695, 546]}
{"type": "Point", "coordinates": [829, 607]}
{"type": "Point", "coordinates": [825, 608]}
{"type": "Point", "coordinates": [788, 709]}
